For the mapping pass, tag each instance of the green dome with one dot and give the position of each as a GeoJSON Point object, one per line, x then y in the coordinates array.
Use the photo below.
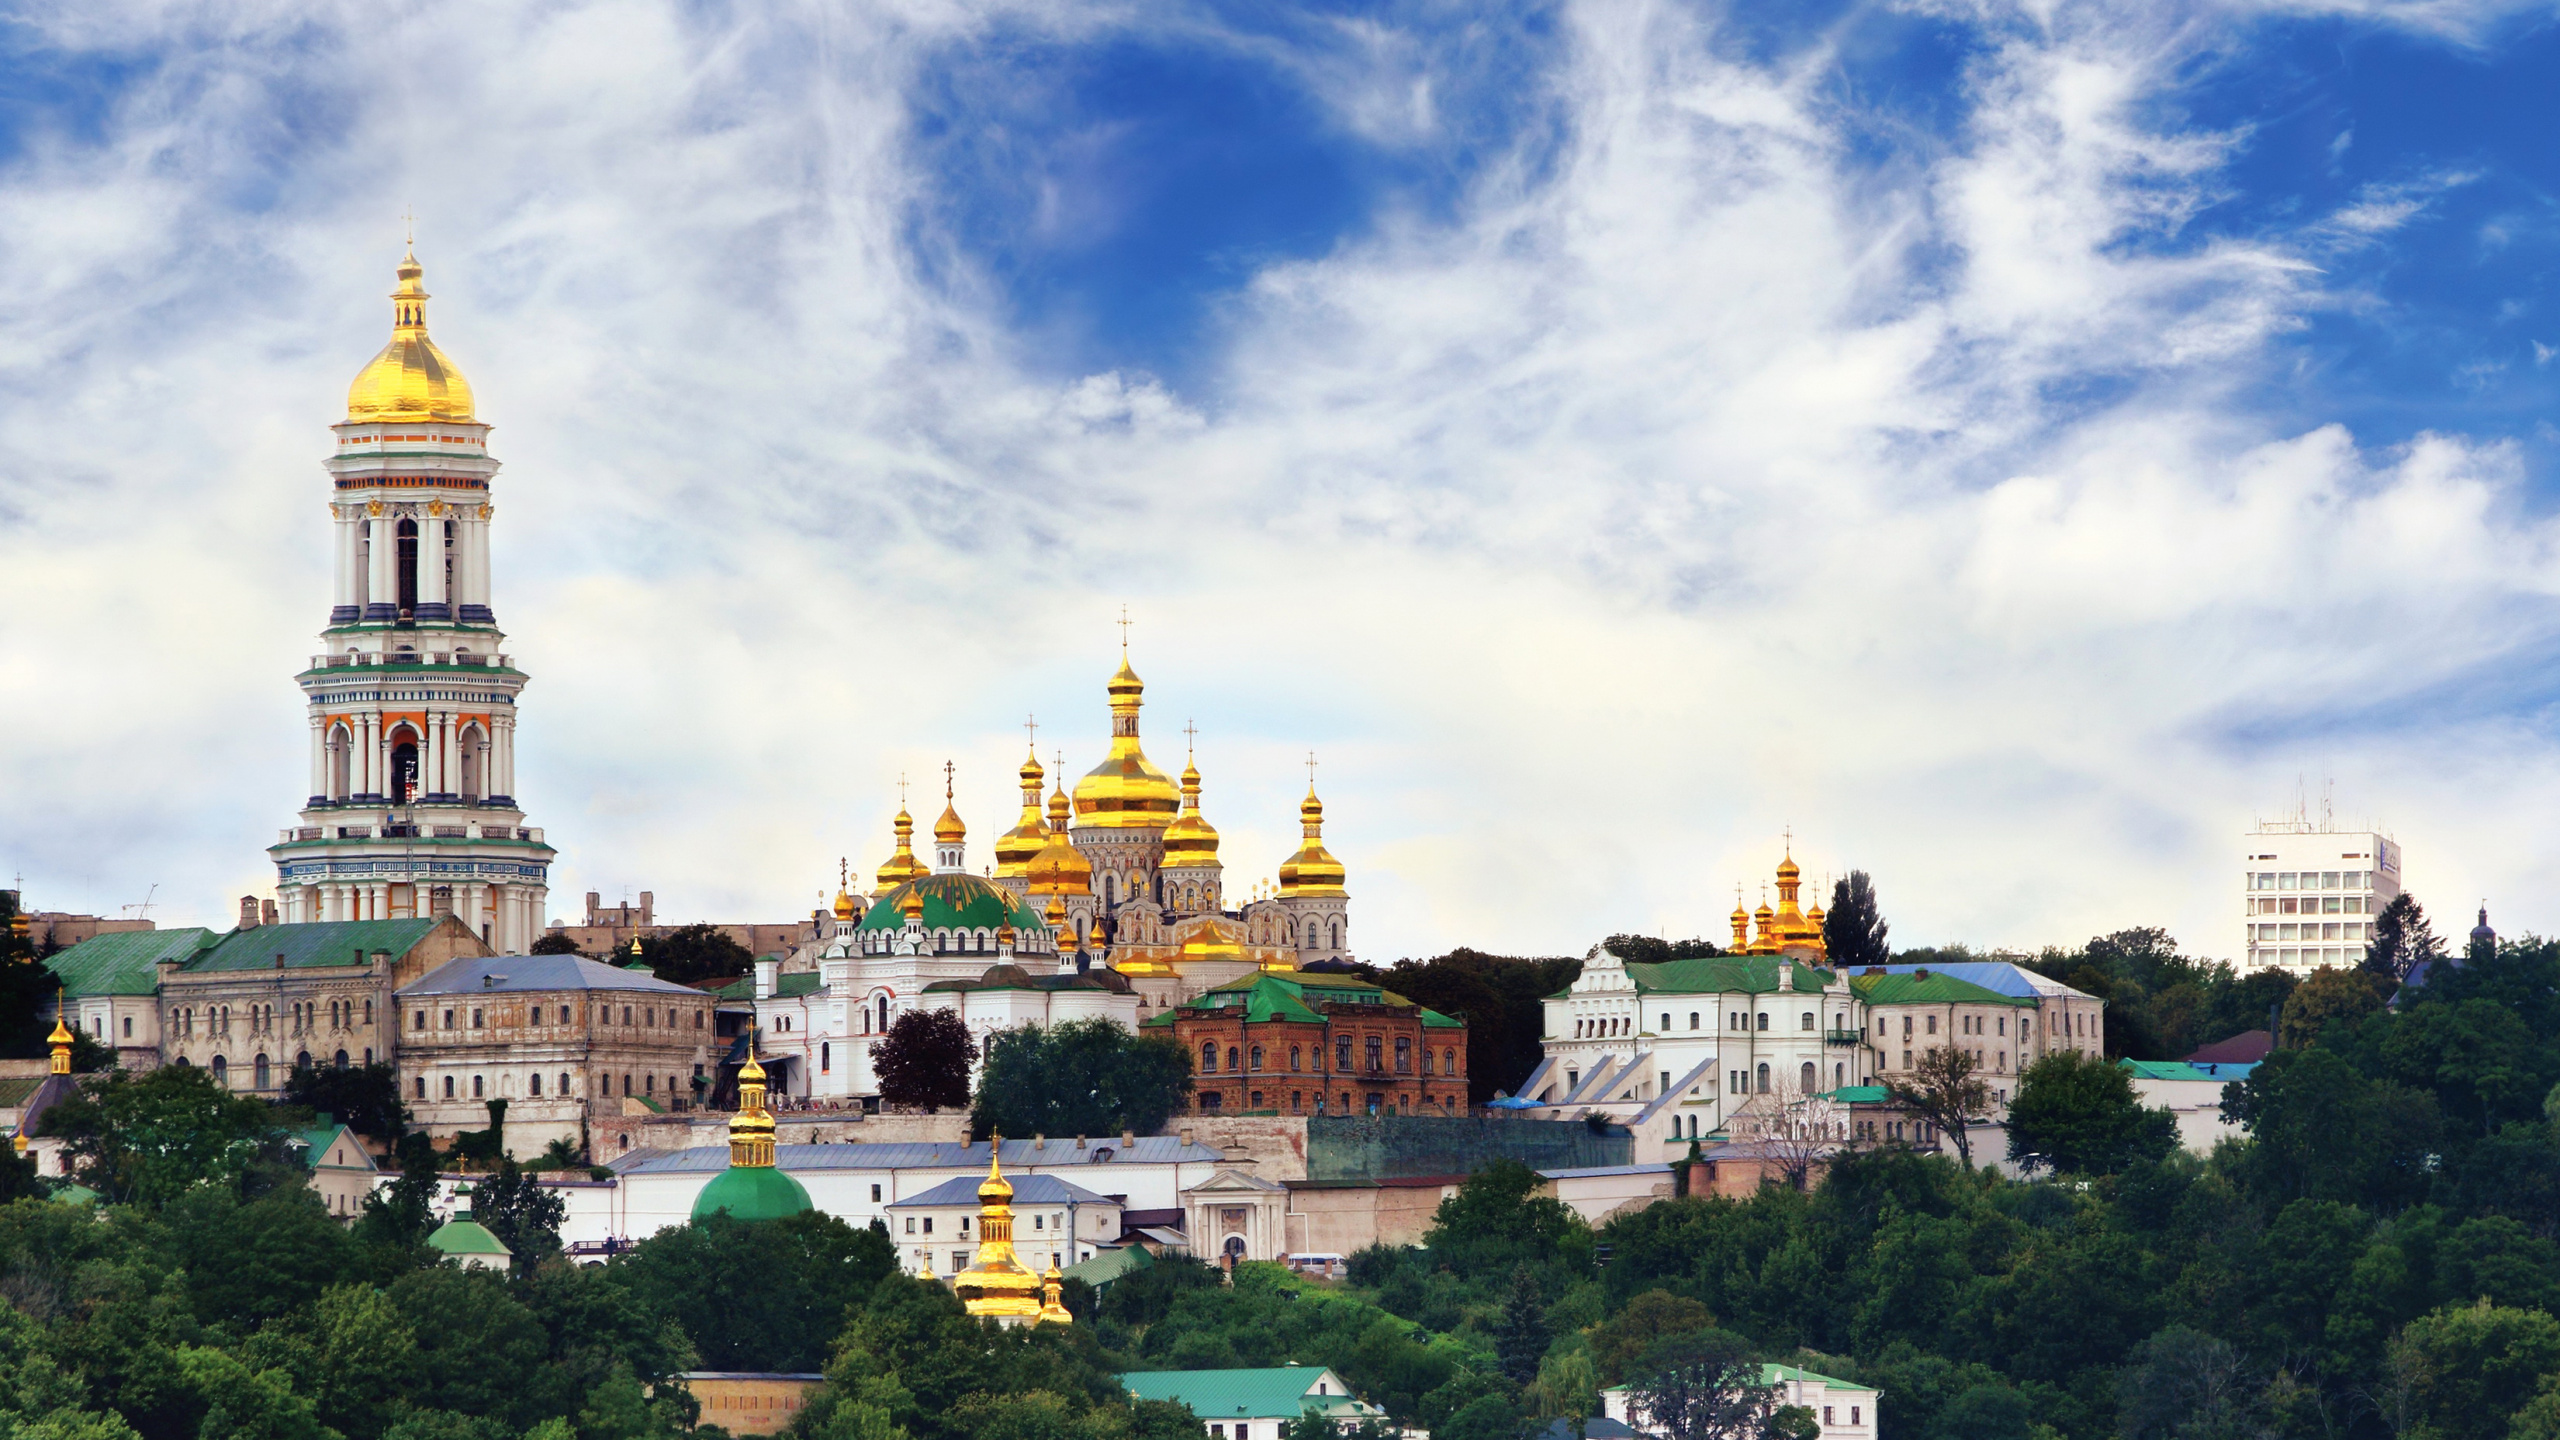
{"type": "Point", "coordinates": [465, 1237]}
{"type": "Point", "coordinates": [752, 1192]}
{"type": "Point", "coordinates": [955, 902]}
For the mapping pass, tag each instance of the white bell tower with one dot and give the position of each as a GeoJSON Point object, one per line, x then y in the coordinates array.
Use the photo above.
{"type": "Point", "coordinates": [412, 809]}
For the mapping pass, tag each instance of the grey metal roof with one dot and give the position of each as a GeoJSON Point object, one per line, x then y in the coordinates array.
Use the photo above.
{"type": "Point", "coordinates": [1030, 1188]}
{"type": "Point", "coordinates": [499, 973]}
{"type": "Point", "coordinates": [920, 1154]}
{"type": "Point", "coordinates": [1590, 1171]}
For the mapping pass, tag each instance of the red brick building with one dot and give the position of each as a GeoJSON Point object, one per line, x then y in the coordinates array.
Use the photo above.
{"type": "Point", "coordinates": [1293, 1043]}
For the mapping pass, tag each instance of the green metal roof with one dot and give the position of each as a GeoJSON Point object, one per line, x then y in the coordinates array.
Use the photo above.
{"type": "Point", "coordinates": [1861, 1095]}
{"type": "Point", "coordinates": [1772, 1374]}
{"type": "Point", "coordinates": [1279, 1393]}
{"type": "Point", "coordinates": [785, 987]}
{"type": "Point", "coordinates": [1729, 975]}
{"type": "Point", "coordinates": [465, 1237]}
{"type": "Point", "coordinates": [124, 963]}
{"type": "Point", "coordinates": [1294, 995]}
{"type": "Point", "coordinates": [2221, 1074]}
{"type": "Point", "coordinates": [1106, 1266]}
{"type": "Point", "coordinates": [1931, 989]}
{"type": "Point", "coordinates": [14, 1091]}
{"type": "Point", "coordinates": [316, 1143]}
{"type": "Point", "coordinates": [955, 902]}
{"type": "Point", "coordinates": [325, 942]}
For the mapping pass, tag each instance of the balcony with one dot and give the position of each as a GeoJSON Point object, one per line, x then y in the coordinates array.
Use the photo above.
{"type": "Point", "coordinates": [1844, 1037]}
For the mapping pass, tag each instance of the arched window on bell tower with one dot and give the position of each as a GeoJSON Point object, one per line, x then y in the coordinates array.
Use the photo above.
{"type": "Point", "coordinates": [341, 748]}
{"type": "Point", "coordinates": [404, 765]}
{"type": "Point", "coordinates": [408, 567]}
{"type": "Point", "coordinates": [475, 742]}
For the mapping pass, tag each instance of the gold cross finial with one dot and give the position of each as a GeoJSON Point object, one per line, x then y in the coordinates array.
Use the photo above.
{"type": "Point", "coordinates": [844, 870]}
{"type": "Point", "coordinates": [1190, 737]}
{"type": "Point", "coordinates": [1031, 727]}
{"type": "Point", "coordinates": [409, 227]}
{"type": "Point", "coordinates": [1124, 632]}
{"type": "Point", "coordinates": [1790, 834]}
{"type": "Point", "coordinates": [1311, 771]}
{"type": "Point", "coordinates": [946, 782]}
{"type": "Point", "coordinates": [902, 789]}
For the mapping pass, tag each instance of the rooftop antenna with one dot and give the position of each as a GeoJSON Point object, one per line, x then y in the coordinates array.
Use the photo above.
{"type": "Point", "coordinates": [142, 910]}
{"type": "Point", "coordinates": [2328, 806]}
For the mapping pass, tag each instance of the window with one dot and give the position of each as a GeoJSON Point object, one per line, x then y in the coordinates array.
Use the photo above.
{"type": "Point", "coordinates": [1764, 1019]}
{"type": "Point", "coordinates": [448, 1087]}
{"type": "Point", "coordinates": [476, 1091]}
{"type": "Point", "coordinates": [422, 1087]}
{"type": "Point", "coordinates": [1426, 1060]}
{"type": "Point", "coordinates": [875, 1194]}
{"type": "Point", "coordinates": [476, 1021]}
{"type": "Point", "coordinates": [564, 1084]}
{"type": "Point", "coordinates": [1764, 1077]}
{"type": "Point", "coordinates": [1693, 1019]}
{"type": "Point", "coordinates": [1257, 1057]}
{"type": "Point", "coordinates": [448, 1019]}
{"type": "Point", "coordinates": [1293, 1057]}
{"type": "Point", "coordinates": [128, 1027]}
{"type": "Point", "coordinates": [1933, 1024]}
{"type": "Point", "coordinates": [649, 1016]}
{"type": "Point", "coordinates": [697, 1019]}
{"type": "Point", "coordinates": [1666, 1020]}
{"type": "Point", "coordinates": [626, 1014]}
{"type": "Point", "coordinates": [1806, 1021]}
{"type": "Point", "coordinates": [911, 1223]}
{"type": "Point", "coordinates": [1232, 1057]}
{"type": "Point", "coordinates": [1342, 1059]}
{"type": "Point", "coordinates": [1448, 1062]}
{"type": "Point", "coordinates": [536, 1083]}
{"type": "Point", "coordinates": [1209, 1057]}
{"type": "Point", "coordinates": [1371, 1049]}
{"type": "Point", "coordinates": [1404, 1054]}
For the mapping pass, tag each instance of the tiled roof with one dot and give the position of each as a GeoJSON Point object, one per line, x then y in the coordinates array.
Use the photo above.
{"type": "Point", "coordinates": [924, 1154]}
{"type": "Point", "coordinates": [1028, 1189]}
{"type": "Point", "coordinates": [324, 942]}
{"type": "Point", "coordinates": [1728, 975]}
{"type": "Point", "coordinates": [1279, 1393]}
{"type": "Point", "coordinates": [124, 963]}
{"type": "Point", "coordinates": [497, 974]}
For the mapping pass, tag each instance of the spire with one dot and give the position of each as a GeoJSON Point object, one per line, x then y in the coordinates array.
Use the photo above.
{"type": "Point", "coordinates": [61, 1037]}
{"type": "Point", "coordinates": [1190, 842]}
{"type": "Point", "coordinates": [845, 909]}
{"type": "Point", "coordinates": [751, 1129]}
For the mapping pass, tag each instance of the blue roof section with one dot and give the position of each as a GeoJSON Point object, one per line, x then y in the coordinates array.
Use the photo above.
{"type": "Point", "coordinates": [500, 974]}
{"type": "Point", "coordinates": [1998, 975]}
{"type": "Point", "coordinates": [1672, 1095]}
{"type": "Point", "coordinates": [1031, 1188]}
{"type": "Point", "coordinates": [2212, 1072]}
{"type": "Point", "coordinates": [1595, 1078]}
{"type": "Point", "coordinates": [922, 1155]}
{"type": "Point", "coordinates": [1537, 1078]}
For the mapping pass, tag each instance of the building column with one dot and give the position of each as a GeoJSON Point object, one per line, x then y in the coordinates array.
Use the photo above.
{"type": "Point", "coordinates": [431, 558]}
{"type": "Point", "coordinates": [431, 756]}
{"type": "Point", "coordinates": [348, 603]}
{"type": "Point", "coordinates": [319, 755]}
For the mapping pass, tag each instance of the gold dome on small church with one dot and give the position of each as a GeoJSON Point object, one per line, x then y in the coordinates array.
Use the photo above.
{"type": "Point", "coordinates": [411, 379]}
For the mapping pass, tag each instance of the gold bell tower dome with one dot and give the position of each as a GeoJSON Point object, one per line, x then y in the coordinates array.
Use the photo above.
{"type": "Point", "coordinates": [411, 379]}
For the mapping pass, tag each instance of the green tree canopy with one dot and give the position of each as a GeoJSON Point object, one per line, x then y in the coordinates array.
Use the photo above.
{"type": "Point", "coordinates": [924, 1060]}
{"type": "Point", "coordinates": [1079, 1077]}
{"type": "Point", "coordinates": [2403, 939]}
{"type": "Point", "coordinates": [364, 1098]}
{"type": "Point", "coordinates": [149, 1137]}
{"type": "Point", "coordinates": [691, 953]}
{"type": "Point", "coordinates": [1853, 929]}
{"type": "Point", "coordinates": [2077, 1113]}
{"type": "Point", "coordinates": [1501, 999]}
{"type": "Point", "coordinates": [759, 1294]}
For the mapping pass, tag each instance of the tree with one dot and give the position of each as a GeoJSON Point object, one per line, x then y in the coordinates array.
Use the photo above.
{"type": "Point", "coordinates": [924, 1060]}
{"type": "Point", "coordinates": [1080, 1077]}
{"type": "Point", "coordinates": [2329, 996]}
{"type": "Point", "coordinates": [691, 953]}
{"type": "Point", "coordinates": [2402, 940]}
{"type": "Point", "coordinates": [762, 1294]}
{"type": "Point", "coordinates": [1793, 1129]}
{"type": "Point", "coordinates": [1620, 1341]}
{"type": "Point", "coordinates": [364, 1098]}
{"type": "Point", "coordinates": [2076, 1113]}
{"type": "Point", "coordinates": [402, 1214]}
{"type": "Point", "coordinates": [1654, 950]}
{"type": "Point", "coordinates": [555, 944]}
{"type": "Point", "coordinates": [1567, 1389]}
{"type": "Point", "coordinates": [2183, 1385]}
{"type": "Point", "coordinates": [1501, 999]}
{"type": "Point", "coordinates": [1520, 1331]}
{"type": "Point", "coordinates": [1943, 1090]}
{"type": "Point", "coordinates": [2469, 1367]}
{"type": "Point", "coordinates": [147, 1138]}
{"type": "Point", "coordinates": [27, 988]}
{"type": "Point", "coordinates": [524, 1215]}
{"type": "Point", "coordinates": [1853, 929]}
{"type": "Point", "coordinates": [1703, 1386]}
{"type": "Point", "coordinates": [1498, 1220]}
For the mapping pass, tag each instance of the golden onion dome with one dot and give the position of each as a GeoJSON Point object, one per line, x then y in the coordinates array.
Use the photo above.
{"type": "Point", "coordinates": [1313, 870]}
{"type": "Point", "coordinates": [1787, 869]}
{"type": "Point", "coordinates": [1126, 791]}
{"type": "Point", "coordinates": [1214, 938]}
{"type": "Point", "coordinates": [844, 907]}
{"type": "Point", "coordinates": [411, 379]}
{"type": "Point", "coordinates": [1060, 868]}
{"type": "Point", "coordinates": [949, 830]}
{"type": "Point", "coordinates": [1016, 847]}
{"type": "Point", "coordinates": [995, 1186]}
{"type": "Point", "coordinates": [1190, 841]}
{"type": "Point", "coordinates": [902, 866]}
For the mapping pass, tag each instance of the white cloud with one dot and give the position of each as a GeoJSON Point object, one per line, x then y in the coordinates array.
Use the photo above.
{"type": "Point", "coordinates": [1673, 493]}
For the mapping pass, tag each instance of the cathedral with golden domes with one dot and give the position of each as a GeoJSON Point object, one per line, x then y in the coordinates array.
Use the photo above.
{"type": "Point", "coordinates": [1108, 900]}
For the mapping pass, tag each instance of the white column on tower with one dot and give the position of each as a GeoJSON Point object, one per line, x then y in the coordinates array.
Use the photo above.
{"type": "Point", "coordinates": [431, 556]}
{"type": "Point", "coordinates": [350, 560]}
{"type": "Point", "coordinates": [478, 553]}
{"type": "Point", "coordinates": [319, 754]}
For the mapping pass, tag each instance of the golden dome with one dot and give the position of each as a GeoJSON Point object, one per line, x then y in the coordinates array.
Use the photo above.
{"type": "Point", "coordinates": [751, 1129]}
{"type": "Point", "coordinates": [1016, 847]}
{"type": "Point", "coordinates": [948, 830]}
{"type": "Point", "coordinates": [902, 866]}
{"type": "Point", "coordinates": [911, 905]}
{"type": "Point", "coordinates": [1053, 1308]}
{"type": "Point", "coordinates": [1126, 791]}
{"type": "Point", "coordinates": [411, 379]}
{"type": "Point", "coordinates": [1060, 926]}
{"type": "Point", "coordinates": [995, 1285]}
{"type": "Point", "coordinates": [1190, 840]}
{"type": "Point", "coordinates": [1313, 870]}
{"type": "Point", "coordinates": [844, 907]}
{"type": "Point", "coordinates": [1060, 868]}
{"type": "Point", "coordinates": [1214, 938]}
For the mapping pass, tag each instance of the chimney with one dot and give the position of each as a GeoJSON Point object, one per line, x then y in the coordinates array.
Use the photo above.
{"type": "Point", "coordinates": [648, 908]}
{"type": "Point", "coordinates": [266, 912]}
{"type": "Point", "coordinates": [593, 900]}
{"type": "Point", "coordinates": [248, 912]}
{"type": "Point", "coordinates": [1186, 1134]}
{"type": "Point", "coordinates": [1039, 1142]}
{"type": "Point", "coordinates": [1128, 1139]}
{"type": "Point", "coordinates": [768, 977]}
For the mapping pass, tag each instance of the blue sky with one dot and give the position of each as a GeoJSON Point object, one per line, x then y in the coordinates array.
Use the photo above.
{"type": "Point", "coordinates": [1611, 434]}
